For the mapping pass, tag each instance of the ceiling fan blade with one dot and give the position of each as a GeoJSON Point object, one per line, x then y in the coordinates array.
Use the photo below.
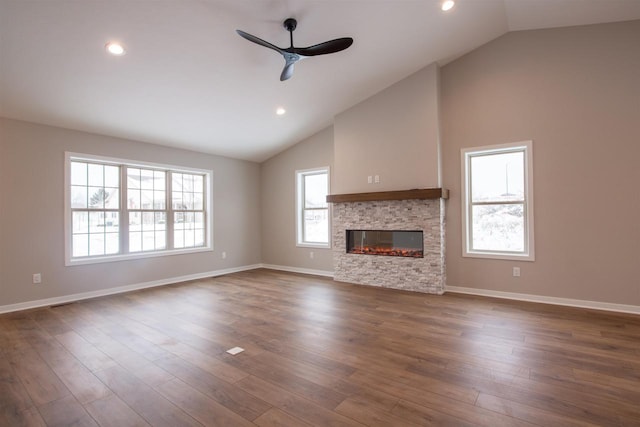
{"type": "Point", "coordinates": [331, 46]}
{"type": "Point", "coordinates": [259, 41]}
{"type": "Point", "coordinates": [287, 71]}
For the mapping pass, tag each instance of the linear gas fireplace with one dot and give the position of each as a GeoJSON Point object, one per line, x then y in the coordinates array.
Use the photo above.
{"type": "Point", "coordinates": [400, 243]}
{"type": "Point", "coordinates": [367, 223]}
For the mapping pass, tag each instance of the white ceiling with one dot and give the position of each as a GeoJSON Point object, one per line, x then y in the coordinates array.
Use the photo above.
{"type": "Point", "coordinates": [189, 81]}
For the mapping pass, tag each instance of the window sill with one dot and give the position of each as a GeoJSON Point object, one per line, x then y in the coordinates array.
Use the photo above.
{"type": "Point", "coordinates": [314, 245]}
{"type": "Point", "coordinates": [498, 255]}
{"type": "Point", "coordinates": [130, 257]}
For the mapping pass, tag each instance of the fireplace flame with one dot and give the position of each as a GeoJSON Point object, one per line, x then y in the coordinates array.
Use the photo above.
{"type": "Point", "coordinates": [378, 250]}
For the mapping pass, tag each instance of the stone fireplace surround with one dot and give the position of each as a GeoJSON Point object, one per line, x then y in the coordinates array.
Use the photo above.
{"type": "Point", "coordinates": [414, 274]}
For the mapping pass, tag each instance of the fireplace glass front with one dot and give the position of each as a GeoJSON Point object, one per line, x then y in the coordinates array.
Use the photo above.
{"type": "Point", "coordinates": [387, 243]}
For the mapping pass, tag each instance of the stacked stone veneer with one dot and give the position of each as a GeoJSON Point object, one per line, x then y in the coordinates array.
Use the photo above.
{"type": "Point", "coordinates": [414, 274]}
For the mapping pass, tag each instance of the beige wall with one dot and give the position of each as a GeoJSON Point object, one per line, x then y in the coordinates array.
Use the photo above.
{"type": "Point", "coordinates": [393, 134]}
{"type": "Point", "coordinates": [31, 214]}
{"type": "Point", "coordinates": [278, 203]}
{"type": "Point", "coordinates": [573, 91]}
{"type": "Point", "coordinates": [576, 93]}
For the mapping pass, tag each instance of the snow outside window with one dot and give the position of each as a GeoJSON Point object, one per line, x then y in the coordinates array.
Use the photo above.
{"type": "Point", "coordinates": [312, 209]}
{"type": "Point", "coordinates": [498, 201]}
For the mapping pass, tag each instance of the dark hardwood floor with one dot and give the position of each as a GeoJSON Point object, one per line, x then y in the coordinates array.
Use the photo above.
{"type": "Point", "coordinates": [319, 353]}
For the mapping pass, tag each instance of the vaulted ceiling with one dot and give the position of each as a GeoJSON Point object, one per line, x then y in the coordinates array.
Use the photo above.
{"type": "Point", "coordinates": [189, 81]}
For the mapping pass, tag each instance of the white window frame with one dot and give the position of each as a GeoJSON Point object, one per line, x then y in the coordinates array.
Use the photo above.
{"type": "Point", "coordinates": [299, 214]}
{"type": "Point", "coordinates": [124, 229]}
{"type": "Point", "coordinates": [526, 147]}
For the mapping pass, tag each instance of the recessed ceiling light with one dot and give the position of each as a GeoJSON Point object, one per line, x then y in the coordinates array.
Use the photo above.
{"type": "Point", "coordinates": [115, 49]}
{"type": "Point", "coordinates": [447, 5]}
{"type": "Point", "coordinates": [280, 111]}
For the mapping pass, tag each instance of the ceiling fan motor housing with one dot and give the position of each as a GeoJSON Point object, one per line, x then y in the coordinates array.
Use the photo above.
{"type": "Point", "coordinates": [290, 24]}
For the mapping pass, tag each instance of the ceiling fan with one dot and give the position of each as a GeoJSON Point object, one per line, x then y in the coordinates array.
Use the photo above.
{"type": "Point", "coordinates": [294, 54]}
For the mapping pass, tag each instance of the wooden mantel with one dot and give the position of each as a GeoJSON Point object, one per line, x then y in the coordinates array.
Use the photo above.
{"type": "Point", "coordinates": [424, 193]}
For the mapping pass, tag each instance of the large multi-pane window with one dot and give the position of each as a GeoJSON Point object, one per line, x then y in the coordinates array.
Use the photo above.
{"type": "Point", "coordinates": [312, 208]}
{"type": "Point", "coordinates": [498, 201]}
{"type": "Point", "coordinates": [119, 209]}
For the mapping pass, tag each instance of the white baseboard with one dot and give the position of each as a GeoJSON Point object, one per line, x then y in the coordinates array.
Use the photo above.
{"type": "Point", "coordinates": [299, 270]}
{"type": "Point", "coordinates": [121, 289]}
{"type": "Point", "coordinates": [595, 305]}
{"type": "Point", "coordinates": [622, 308]}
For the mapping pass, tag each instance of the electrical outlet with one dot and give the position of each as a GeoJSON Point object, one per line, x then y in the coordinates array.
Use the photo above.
{"type": "Point", "coordinates": [311, 255]}
{"type": "Point", "coordinates": [369, 179]}
{"type": "Point", "coordinates": [224, 255]}
{"type": "Point", "coordinates": [516, 271]}
{"type": "Point", "coordinates": [37, 278]}
{"type": "Point", "coordinates": [377, 179]}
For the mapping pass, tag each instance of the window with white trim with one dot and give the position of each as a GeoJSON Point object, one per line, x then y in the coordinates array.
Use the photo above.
{"type": "Point", "coordinates": [312, 209]}
{"type": "Point", "coordinates": [497, 208]}
{"type": "Point", "coordinates": [119, 209]}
